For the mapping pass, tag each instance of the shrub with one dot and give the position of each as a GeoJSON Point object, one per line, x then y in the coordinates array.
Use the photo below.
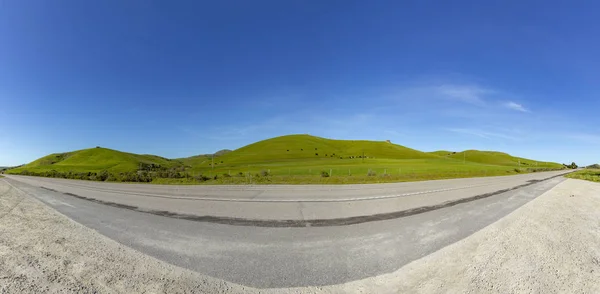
{"type": "Point", "coordinates": [371, 173]}
{"type": "Point", "coordinates": [517, 170]}
{"type": "Point", "coordinates": [103, 175]}
{"type": "Point", "coordinates": [324, 174]}
{"type": "Point", "coordinates": [264, 173]}
{"type": "Point", "coordinates": [226, 175]}
{"type": "Point", "coordinates": [240, 174]}
{"type": "Point", "coordinates": [317, 154]}
{"type": "Point", "coordinates": [202, 178]}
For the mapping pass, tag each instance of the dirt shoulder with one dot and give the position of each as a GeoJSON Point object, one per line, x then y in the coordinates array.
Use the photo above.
{"type": "Point", "coordinates": [43, 251]}
{"type": "Point", "coordinates": [547, 246]}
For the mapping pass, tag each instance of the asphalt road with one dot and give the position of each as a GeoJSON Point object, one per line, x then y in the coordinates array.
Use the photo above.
{"type": "Point", "coordinates": [267, 257]}
{"type": "Point", "coordinates": [286, 202]}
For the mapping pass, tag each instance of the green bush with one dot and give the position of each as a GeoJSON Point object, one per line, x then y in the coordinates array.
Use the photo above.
{"type": "Point", "coordinates": [324, 174]}
{"type": "Point", "coordinates": [103, 176]}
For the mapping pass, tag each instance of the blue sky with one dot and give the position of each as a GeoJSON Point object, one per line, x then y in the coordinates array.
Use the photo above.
{"type": "Point", "coordinates": [184, 78]}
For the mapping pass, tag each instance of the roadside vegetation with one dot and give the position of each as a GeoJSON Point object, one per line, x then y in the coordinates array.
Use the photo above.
{"type": "Point", "coordinates": [590, 173]}
{"type": "Point", "coordinates": [294, 159]}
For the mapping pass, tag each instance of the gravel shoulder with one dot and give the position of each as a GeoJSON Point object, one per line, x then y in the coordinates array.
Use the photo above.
{"type": "Point", "coordinates": [547, 246]}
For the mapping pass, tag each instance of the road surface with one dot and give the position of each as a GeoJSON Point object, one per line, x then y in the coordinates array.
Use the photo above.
{"type": "Point", "coordinates": [288, 205]}
{"type": "Point", "coordinates": [268, 257]}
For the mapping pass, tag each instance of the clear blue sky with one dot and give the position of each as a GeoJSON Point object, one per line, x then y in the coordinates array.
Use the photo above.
{"type": "Point", "coordinates": [177, 78]}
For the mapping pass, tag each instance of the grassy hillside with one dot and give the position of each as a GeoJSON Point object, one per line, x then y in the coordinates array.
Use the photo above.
{"type": "Point", "coordinates": [302, 156]}
{"type": "Point", "coordinates": [442, 153]}
{"type": "Point", "coordinates": [499, 158]}
{"type": "Point", "coordinates": [95, 160]}
{"type": "Point", "coordinates": [306, 147]}
{"type": "Point", "coordinates": [294, 151]}
{"type": "Point", "coordinates": [285, 159]}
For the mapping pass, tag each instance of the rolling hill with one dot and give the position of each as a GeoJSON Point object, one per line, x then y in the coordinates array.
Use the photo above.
{"type": "Point", "coordinates": [95, 160]}
{"type": "Point", "coordinates": [306, 147]}
{"type": "Point", "coordinates": [500, 158]}
{"type": "Point", "coordinates": [301, 157]}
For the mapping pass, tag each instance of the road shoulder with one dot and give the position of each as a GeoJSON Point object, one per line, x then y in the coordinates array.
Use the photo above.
{"type": "Point", "coordinates": [549, 245]}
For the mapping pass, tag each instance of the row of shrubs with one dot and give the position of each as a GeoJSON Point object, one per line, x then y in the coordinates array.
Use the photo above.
{"type": "Point", "coordinates": [141, 176]}
{"type": "Point", "coordinates": [144, 176]}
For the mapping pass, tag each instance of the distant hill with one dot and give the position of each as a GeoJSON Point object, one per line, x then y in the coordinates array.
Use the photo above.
{"type": "Point", "coordinates": [198, 159]}
{"type": "Point", "coordinates": [500, 158]}
{"type": "Point", "coordinates": [442, 153]}
{"type": "Point", "coordinates": [95, 160]}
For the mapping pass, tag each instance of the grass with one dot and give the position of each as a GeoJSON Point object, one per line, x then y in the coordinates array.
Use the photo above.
{"type": "Point", "coordinates": [586, 174]}
{"type": "Point", "coordinates": [443, 153]}
{"type": "Point", "coordinates": [303, 155]}
{"type": "Point", "coordinates": [301, 159]}
{"type": "Point", "coordinates": [94, 160]}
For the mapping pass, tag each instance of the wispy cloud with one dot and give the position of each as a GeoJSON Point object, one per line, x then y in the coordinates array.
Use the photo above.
{"type": "Point", "coordinates": [481, 133]}
{"type": "Point", "coordinates": [464, 93]}
{"type": "Point", "coordinates": [515, 106]}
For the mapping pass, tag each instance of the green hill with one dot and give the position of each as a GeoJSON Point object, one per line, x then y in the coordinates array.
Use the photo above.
{"type": "Point", "coordinates": [95, 160]}
{"type": "Point", "coordinates": [500, 158]}
{"type": "Point", "coordinates": [306, 147]}
{"type": "Point", "coordinates": [285, 159]}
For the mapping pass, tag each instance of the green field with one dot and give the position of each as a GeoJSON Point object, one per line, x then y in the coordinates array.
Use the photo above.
{"type": "Point", "coordinates": [586, 174]}
{"type": "Point", "coordinates": [292, 159]}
